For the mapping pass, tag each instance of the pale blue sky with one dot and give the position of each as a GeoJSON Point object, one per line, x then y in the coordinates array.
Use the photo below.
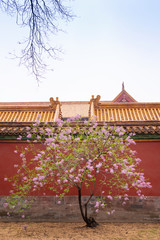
{"type": "Point", "coordinates": [110, 41]}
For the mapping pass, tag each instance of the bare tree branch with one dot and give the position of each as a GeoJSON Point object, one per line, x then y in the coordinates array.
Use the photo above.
{"type": "Point", "coordinates": [41, 18]}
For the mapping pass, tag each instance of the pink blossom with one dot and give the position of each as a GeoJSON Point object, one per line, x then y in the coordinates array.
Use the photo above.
{"type": "Point", "coordinates": [35, 179]}
{"type": "Point", "coordinates": [38, 168]}
{"type": "Point", "coordinates": [38, 121]}
{"type": "Point", "coordinates": [5, 205]}
{"type": "Point", "coordinates": [38, 116]}
{"type": "Point", "coordinates": [41, 178]}
{"type": "Point", "coordinates": [117, 129]}
{"type": "Point", "coordinates": [15, 151]}
{"type": "Point", "coordinates": [77, 117]}
{"type": "Point", "coordinates": [138, 160]}
{"type": "Point", "coordinates": [124, 171]}
{"type": "Point", "coordinates": [23, 216]}
{"type": "Point", "coordinates": [109, 197]}
{"type": "Point", "coordinates": [76, 180]}
{"type": "Point", "coordinates": [5, 179]}
{"type": "Point", "coordinates": [59, 181]}
{"type": "Point", "coordinates": [21, 155]}
{"type": "Point", "coordinates": [125, 161]}
{"type": "Point", "coordinates": [61, 162]}
{"type": "Point", "coordinates": [77, 139]}
{"type": "Point", "coordinates": [121, 133]}
{"type": "Point", "coordinates": [81, 170]}
{"type": "Point", "coordinates": [19, 138]}
{"type": "Point", "coordinates": [65, 181]}
{"type": "Point", "coordinates": [90, 168]}
{"type": "Point", "coordinates": [49, 140]}
{"type": "Point", "coordinates": [111, 170]}
{"type": "Point", "coordinates": [142, 197]}
{"type": "Point", "coordinates": [115, 166]}
{"type": "Point", "coordinates": [68, 130]}
{"type": "Point", "coordinates": [109, 153]}
{"type": "Point", "coordinates": [29, 135]}
{"type": "Point", "coordinates": [89, 175]}
{"type": "Point", "coordinates": [59, 122]}
{"type": "Point", "coordinates": [42, 152]}
{"type": "Point", "coordinates": [130, 141]}
{"type": "Point", "coordinates": [125, 187]}
{"type": "Point", "coordinates": [97, 204]}
{"type": "Point", "coordinates": [99, 165]}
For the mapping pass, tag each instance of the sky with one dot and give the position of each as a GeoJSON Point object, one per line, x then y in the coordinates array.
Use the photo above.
{"type": "Point", "coordinates": [107, 43]}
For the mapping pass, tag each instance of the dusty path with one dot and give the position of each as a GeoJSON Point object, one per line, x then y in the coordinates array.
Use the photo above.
{"type": "Point", "coordinates": [77, 231]}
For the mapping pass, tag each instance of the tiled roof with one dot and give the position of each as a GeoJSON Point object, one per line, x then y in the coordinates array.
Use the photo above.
{"type": "Point", "coordinates": [26, 116]}
{"type": "Point", "coordinates": [29, 112]}
{"type": "Point", "coordinates": [136, 117]}
{"type": "Point", "coordinates": [128, 112]}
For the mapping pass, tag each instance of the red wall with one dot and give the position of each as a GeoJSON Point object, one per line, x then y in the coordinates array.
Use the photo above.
{"type": "Point", "coordinates": [148, 151]}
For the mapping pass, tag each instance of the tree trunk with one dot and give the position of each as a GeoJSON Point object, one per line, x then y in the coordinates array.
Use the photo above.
{"type": "Point", "coordinates": [90, 222]}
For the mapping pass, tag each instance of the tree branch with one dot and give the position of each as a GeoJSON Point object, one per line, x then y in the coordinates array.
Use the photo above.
{"type": "Point", "coordinates": [40, 18]}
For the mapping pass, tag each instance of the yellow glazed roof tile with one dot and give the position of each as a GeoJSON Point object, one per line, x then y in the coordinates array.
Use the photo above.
{"type": "Point", "coordinates": [27, 116]}
{"type": "Point", "coordinates": [127, 111]}
{"type": "Point", "coordinates": [29, 112]}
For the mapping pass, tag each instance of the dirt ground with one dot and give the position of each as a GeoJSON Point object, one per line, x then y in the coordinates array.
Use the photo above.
{"type": "Point", "coordinates": [77, 231]}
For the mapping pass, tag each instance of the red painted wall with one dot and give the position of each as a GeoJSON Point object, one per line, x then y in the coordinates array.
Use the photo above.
{"type": "Point", "coordinates": [148, 151]}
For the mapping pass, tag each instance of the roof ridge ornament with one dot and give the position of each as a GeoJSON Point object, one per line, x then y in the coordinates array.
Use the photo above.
{"type": "Point", "coordinates": [95, 100]}
{"type": "Point", "coordinates": [53, 103]}
{"type": "Point", "coordinates": [122, 86]}
{"type": "Point", "coordinates": [124, 96]}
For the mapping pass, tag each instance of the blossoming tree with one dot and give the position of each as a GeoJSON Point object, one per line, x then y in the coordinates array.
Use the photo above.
{"type": "Point", "coordinates": [79, 154]}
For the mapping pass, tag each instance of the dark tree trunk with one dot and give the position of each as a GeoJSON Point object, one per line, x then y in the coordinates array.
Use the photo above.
{"type": "Point", "coordinates": [90, 222]}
